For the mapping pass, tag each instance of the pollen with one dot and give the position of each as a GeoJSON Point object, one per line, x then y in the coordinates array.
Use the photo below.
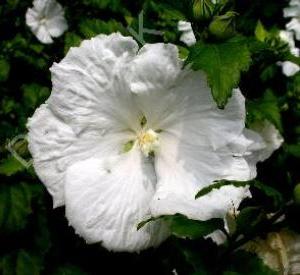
{"type": "Point", "coordinates": [148, 142]}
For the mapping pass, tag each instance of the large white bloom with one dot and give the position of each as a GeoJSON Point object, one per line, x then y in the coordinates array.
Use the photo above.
{"type": "Point", "coordinates": [46, 20]}
{"type": "Point", "coordinates": [127, 134]}
{"type": "Point", "coordinates": [289, 68]}
{"type": "Point", "coordinates": [293, 11]}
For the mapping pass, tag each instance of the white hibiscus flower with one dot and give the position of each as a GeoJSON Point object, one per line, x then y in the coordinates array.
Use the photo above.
{"type": "Point", "coordinates": [289, 68]}
{"type": "Point", "coordinates": [293, 11]}
{"type": "Point", "coordinates": [129, 134]}
{"type": "Point", "coordinates": [46, 20]}
{"type": "Point", "coordinates": [187, 36]}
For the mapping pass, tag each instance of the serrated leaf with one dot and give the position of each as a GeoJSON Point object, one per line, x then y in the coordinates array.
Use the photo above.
{"type": "Point", "coordinates": [15, 206]}
{"type": "Point", "coordinates": [181, 226]}
{"type": "Point", "coordinates": [223, 64]}
{"type": "Point", "coordinates": [219, 184]}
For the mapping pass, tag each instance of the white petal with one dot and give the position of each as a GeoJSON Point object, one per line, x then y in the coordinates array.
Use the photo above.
{"type": "Point", "coordinates": [188, 36]}
{"type": "Point", "coordinates": [184, 169]}
{"type": "Point", "coordinates": [271, 137]}
{"type": "Point", "coordinates": [154, 69]}
{"type": "Point", "coordinates": [292, 11]}
{"type": "Point", "coordinates": [32, 20]}
{"type": "Point", "coordinates": [88, 90]}
{"type": "Point", "coordinates": [40, 5]}
{"type": "Point", "coordinates": [53, 8]}
{"type": "Point", "coordinates": [106, 199]}
{"type": "Point", "coordinates": [54, 146]}
{"type": "Point", "coordinates": [189, 112]}
{"type": "Point", "coordinates": [294, 25]}
{"type": "Point", "coordinates": [56, 26]}
{"type": "Point", "coordinates": [43, 35]}
{"type": "Point", "coordinates": [289, 68]}
{"type": "Point", "coordinates": [288, 37]}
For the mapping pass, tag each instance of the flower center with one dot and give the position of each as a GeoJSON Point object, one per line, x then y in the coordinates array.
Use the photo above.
{"type": "Point", "coordinates": [43, 21]}
{"type": "Point", "coordinates": [148, 141]}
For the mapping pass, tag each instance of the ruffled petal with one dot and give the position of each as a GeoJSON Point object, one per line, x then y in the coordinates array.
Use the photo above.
{"type": "Point", "coordinates": [32, 20]}
{"type": "Point", "coordinates": [88, 90]}
{"type": "Point", "coordinates": [43, 35]}
{"type": "Point", "coordinates": [155, 68]}
{"type": "Point", "coordinates": [55, 146]}
{"type": "Point", "coordinates": [184, 169]}
{"type": "Point", "coordinates": [294, 25]}
{"type": "Point", "coordinates": [106, 199]}
{"type": "Point", "coordinates": [271, 138]}
{"type": "Point", "coordinates": [56, 26]}
{"type": "Point", "coordinates": [189, 112]}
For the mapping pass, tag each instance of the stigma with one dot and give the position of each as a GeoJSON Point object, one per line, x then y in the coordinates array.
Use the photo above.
{"type": "Point", "coordinates": [148, 141]}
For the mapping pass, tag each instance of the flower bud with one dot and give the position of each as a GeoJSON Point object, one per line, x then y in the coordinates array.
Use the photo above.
{"type": "Point", "coordinates": [203, 9]}
{"type": "Point", "coordinates": [223, 26]}
{"type": "Point", "coordinates": [297, 194]}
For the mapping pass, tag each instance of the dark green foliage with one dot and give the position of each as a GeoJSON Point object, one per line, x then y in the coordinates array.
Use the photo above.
{"type": "Point", "coordinates": [223, 63]}
{"type": "Point", "coordinates": [237, 46]}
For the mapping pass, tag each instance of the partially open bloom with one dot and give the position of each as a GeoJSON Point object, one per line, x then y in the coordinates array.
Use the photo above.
{"type": "Point", "coordinates": [293, 11]}
{"type": "Point", "coordinates": [127, 134]}
{"type": "Point", "coordinates": [289, 68]}
{"type": "Point", "coordinates": [279, 250]}
{"type": "Point", "coordinates": [46, 20]}
{"type": "Point", "coordinates": [187, 36]}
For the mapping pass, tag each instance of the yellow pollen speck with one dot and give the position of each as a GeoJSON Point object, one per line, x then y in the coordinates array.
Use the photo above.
{"type": "Point", "coordinates": [148, 141]}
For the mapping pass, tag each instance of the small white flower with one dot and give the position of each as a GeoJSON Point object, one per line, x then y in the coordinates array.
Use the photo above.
{"type": "Point", "coordinates": [280, 251]}
{"type": "Point", "coordinates": [293, 11]}
{"type": "Point", "coordinates": [187, 36]}
{"type": "Point", "coordinates": [46, 20]}
{"type": "Point", "coordinates": [127, 134]}
{"type": "Point", "coordinates": [289, 68]}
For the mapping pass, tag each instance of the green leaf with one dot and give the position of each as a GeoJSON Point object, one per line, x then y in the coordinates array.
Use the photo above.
{"type": "Point", "coordinates": [4, 70]}
{"type": "Point", "coordinates": [11, 166]}
{"type": "Point", "coordinates": [263, 108]}
{"type": "Point", "coordinates": [223, 64]}
{"type": "Point", "coordinates": [92, 27]}
{"type": "Point", "coordinates": [183, 227]}
{"type": "Point", "coordinates": [219, 184]}
{"type": "Point", "coordinates": [15, 206]}
{"type": "Point", "coordinates": [34, 94]}
{"type": "Point", "coordinates": [249, 219]}
{"type": "Point", "coordinates": [260, 32]}
{"type": "Point", "coordinates": [71, 40]}
{"type": "Point", "coordinates": [20, 262]}
{"type": "Point", "coordinates": [269, 192]}
{"type": "Point", "coordinates": [245, 263]}
{"type": "Point", "coordinates": [293, 149]}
